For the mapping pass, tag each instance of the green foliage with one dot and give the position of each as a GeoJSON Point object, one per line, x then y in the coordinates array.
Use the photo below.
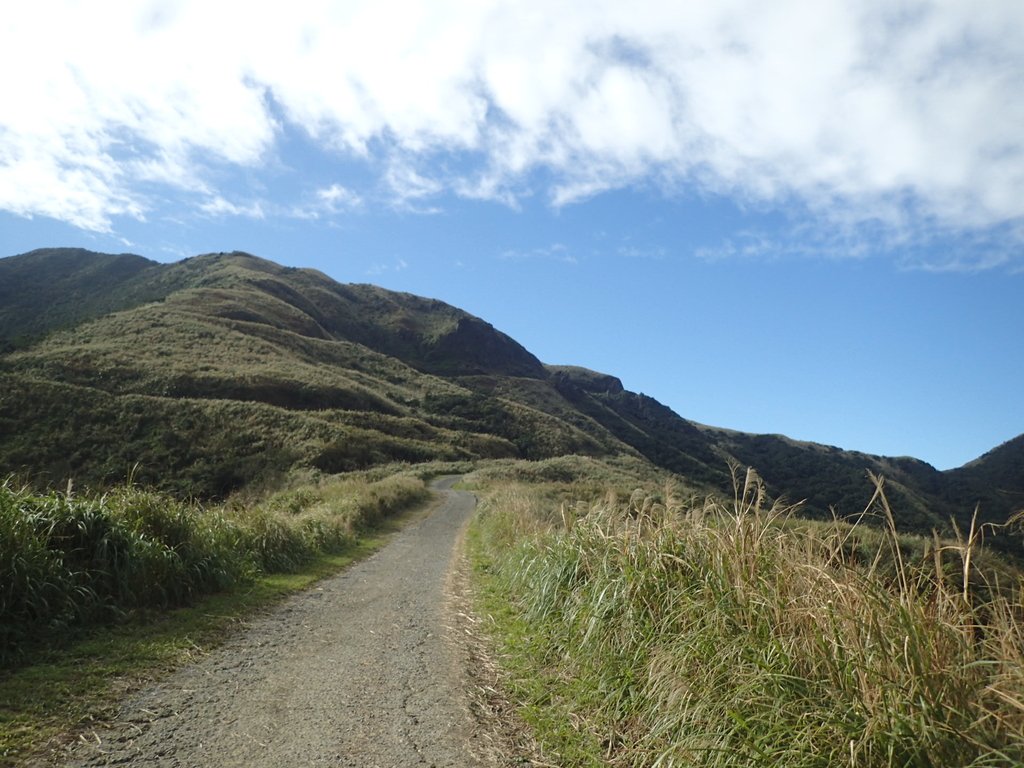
{"type": "Point", "coordinates": [60, 287]}
{"type": "Point", "coordinates": [68, 561]}
{"type": "Point", "coordinates": [648, 630]}
{"type": "Point", "coordinates": [202, 448]}
{"type": "Point", "coordinates": [994, 481]}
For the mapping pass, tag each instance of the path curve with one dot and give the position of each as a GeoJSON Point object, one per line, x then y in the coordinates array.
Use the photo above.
{"type": "Point", "coordinates": [354, 672]}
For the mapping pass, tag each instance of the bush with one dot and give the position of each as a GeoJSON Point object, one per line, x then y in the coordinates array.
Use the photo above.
{"type": "Point", "coordinates": [69, 561]}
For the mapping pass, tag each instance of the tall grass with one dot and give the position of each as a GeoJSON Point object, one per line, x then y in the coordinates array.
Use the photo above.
{"type": "Point", "coordinates": [68, 561]}
{"type": "Point", "coordinates": [675, 634]}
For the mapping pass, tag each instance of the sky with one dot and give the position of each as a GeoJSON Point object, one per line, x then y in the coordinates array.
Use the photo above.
{"type": "Point", "coordinates": [802, 217]}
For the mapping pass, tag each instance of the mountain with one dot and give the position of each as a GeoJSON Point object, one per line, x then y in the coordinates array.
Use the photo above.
{"type": "Point", "coordinates": [60, 287]}
{"type": "Point", "coordinates": [216, 370]}
{"type": "Point", "coordinates": [224, 369]}
{"type": "Point", "coordinates": [995, 481]}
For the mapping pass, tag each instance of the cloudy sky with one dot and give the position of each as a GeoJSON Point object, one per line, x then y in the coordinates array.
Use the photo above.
{"type": "Point", "coordinates": [803, 217]}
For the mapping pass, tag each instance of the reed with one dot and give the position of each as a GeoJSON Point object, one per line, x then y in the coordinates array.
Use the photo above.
{"type": "Point", "coordinates": [68, 560]}
{"type": "Point", "coordinates": [658, 632]}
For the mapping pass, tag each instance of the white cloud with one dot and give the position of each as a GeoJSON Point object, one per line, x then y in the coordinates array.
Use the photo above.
{"type": "Point", "coordinates": [327, 201]}
{"type": "Point", "coordinates": [399, 265]}
{"type": "Point", "coordinates": [218, 206]}
{"type": "Point", "coordinates": [408, 189]}
{"type": "Point", "coordinates": [554, 252]}
{"type": "Point", "coordinates": [336, 196]}
{"type": "Point", "coordinates": [842, 107]}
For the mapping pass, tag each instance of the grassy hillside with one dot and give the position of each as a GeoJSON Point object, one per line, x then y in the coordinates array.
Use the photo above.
{"type": "Point", "coordinates": [825, 476]}
{"type": "Point", "coordinates": [221, 369]}
{"type": "Point", "coordinates": [996, 480]}
{"type": "Point", "coordinates": [60, 287]}
{"type": "Point", "coordinates": [648, 628]}
{"type": "Point", "coordinates": [249, 368]}
{"type": "Point", "coordinates": [826, 479]}
{"type": "Point", "coordinates": [202, 447]}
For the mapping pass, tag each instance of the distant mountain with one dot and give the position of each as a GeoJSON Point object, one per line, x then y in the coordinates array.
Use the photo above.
{"type": "Point", "coordinates": [224, 369]}
{"type": "Point", "coordinates": [995, 481]}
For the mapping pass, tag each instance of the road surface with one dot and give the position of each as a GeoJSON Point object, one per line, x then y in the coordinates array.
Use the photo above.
{"type": "Point", "coordinates": [358, 671]}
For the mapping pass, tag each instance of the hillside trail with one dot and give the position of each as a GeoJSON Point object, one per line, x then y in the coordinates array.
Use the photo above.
{"type": "Point", "coordinates": [358, 671]}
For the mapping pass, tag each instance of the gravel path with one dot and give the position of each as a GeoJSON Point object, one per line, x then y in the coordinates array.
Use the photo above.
{"type": "Point", "coordinates": [355, 672]}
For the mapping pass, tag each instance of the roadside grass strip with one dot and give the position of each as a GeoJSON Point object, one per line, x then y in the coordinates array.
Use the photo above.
{"type": "Point", "coordinates": [647, 630]}
{"type": "Point", "coordinates": [81, 626]}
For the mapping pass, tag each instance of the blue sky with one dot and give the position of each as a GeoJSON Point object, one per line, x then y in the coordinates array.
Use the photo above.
{"type": "Point", "coordinates": [803, 218]}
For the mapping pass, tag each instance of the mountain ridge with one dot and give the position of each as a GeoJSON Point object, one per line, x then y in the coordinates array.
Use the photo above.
{"type": "Point", "coordinates": [361, 375]}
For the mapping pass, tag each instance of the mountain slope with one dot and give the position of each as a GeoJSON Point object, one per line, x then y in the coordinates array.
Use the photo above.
{"type": "Point", "coordinates": [219, 369]}
{"type": "Point", "coordinates": [60, 287]}
{"type": "Point", "coordinates": [994, 480]}
{"type": "Point", "coordinates": [240, 330]}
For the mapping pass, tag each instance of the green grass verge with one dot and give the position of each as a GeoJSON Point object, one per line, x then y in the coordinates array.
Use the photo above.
{"type": "Point", "coordinates": [543, 698]}
{"type": "Point", "coordinates": [68, 561]}
{"type": "Point", "coordinates": [642, 630]}
{"type": "Point", "coordinates": [60, 690]}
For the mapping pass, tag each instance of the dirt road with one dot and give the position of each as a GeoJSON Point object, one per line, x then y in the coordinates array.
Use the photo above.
{"type": "Point", "coordinates": [355, 672]}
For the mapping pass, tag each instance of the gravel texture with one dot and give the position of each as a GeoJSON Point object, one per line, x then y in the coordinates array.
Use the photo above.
{"type": "Point", "coordinates": [361, 670]}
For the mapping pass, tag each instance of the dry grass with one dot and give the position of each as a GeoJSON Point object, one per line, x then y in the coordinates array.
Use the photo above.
{"type": "Point", "coordinates": [663, 632]}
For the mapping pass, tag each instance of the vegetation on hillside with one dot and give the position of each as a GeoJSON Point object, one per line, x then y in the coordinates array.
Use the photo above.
{"type": "Point", "coordinates": [239, 374]}
{"type": "Point", "coordinates": [205, 448]}
{"type": "Point", "coordinates": [220, 370]}
{"type": "Point", "coordinates": [654, 628]}
{"type": "Point", "coordinates": [58, 288]}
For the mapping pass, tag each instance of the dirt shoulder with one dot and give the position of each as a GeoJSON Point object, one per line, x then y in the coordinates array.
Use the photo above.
{"type": "Point", "coordinates": [359, 671]}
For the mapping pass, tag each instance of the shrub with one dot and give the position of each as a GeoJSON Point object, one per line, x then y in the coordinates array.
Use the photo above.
{"type": "Point", "coordinates": [69, 561]}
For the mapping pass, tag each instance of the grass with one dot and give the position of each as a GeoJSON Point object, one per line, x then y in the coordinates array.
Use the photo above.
{"type": "Point", "coordinates": [651, 629]}
{"type": "Point", "coordinates": [68, 561]}
{"type": "Point", "coordinates": [64, 684]}
{"type": "Point", "coordinates": [201, 446]}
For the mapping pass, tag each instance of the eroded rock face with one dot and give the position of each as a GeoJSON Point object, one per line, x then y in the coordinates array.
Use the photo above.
{"type": "Point", "coordinates": [586, 379]}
